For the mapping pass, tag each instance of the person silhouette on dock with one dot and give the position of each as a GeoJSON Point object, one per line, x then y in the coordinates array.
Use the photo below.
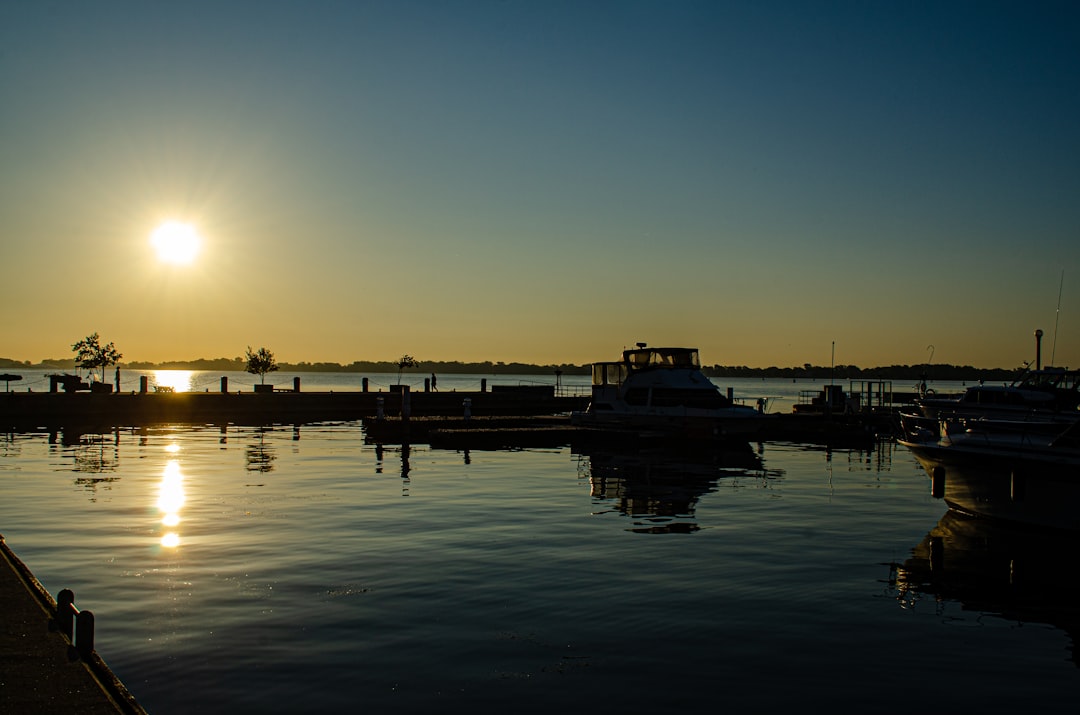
{"type": "Point", "coordinates": [434, 384]}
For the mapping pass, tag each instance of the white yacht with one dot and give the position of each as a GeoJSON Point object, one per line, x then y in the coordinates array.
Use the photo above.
{"type": "Point", "coordinates": [1013, 470]}
{"type": "Point", "coordinates": [663, 390]}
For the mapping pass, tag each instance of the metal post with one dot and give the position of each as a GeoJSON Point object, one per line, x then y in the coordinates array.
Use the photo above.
{"type": "Point", "coordinates": [65, 614]}
{"type": "Point", "coordinates": [1038, 349]}
{"type": "Point", "coordinates": [84, 633]}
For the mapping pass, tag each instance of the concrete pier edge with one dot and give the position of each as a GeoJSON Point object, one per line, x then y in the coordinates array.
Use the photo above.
{"type": "Point", "coordinates": [111, 685]}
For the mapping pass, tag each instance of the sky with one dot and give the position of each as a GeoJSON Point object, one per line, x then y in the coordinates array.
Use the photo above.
{"type": "Point", "coordinates": [775, 183]}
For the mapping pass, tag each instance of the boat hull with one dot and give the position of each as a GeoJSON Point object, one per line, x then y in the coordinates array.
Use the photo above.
{"type": "Point", "coordinates": [1003, 484]}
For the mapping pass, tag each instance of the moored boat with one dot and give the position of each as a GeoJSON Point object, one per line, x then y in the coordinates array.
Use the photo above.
{"type": "Point", "coordinates": [663, 390]}
{"type": "Point", "coordinates": [1020, 471]}
{"type": "Point", "coordinates": [1050, 391]}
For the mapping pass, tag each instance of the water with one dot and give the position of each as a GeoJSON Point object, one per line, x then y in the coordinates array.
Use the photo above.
{"type": "Point", "coordinates": [294, 568]}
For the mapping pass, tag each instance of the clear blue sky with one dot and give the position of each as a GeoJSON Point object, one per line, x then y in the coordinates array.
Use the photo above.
{"type": "Point", "coordinates": [544, 181]}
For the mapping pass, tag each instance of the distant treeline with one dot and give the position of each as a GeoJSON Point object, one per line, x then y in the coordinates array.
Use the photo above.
{"type": "Point", "coordinates": [806, 371]}
{"type": "Point", "coordinates": [358, 366]}
{"type": "Point", "coordinates": [957, 373]}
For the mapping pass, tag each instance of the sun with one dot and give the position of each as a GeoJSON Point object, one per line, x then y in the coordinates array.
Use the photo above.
{"type": "Point", "coordinates": [175, 242]}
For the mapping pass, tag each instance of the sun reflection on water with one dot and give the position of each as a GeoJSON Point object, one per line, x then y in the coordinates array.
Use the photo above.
{"type": "Point", "coordinates": [170, 500]}
{"type": "Point", "coordinates": [173, 380]}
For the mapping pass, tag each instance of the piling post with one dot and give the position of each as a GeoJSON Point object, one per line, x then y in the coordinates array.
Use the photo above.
{"type": "Point", "coordinates": [84, 633]}
{"type": "Point", "coordinates": [406, 403]}
{"type": "Point", "coordinates": [144, 384]}
{"type": "Point", "coordinates": [483, 384]}
{"type": "Point", "coordinates": [296, 384]}
{"type": "Point", "coordinates": [380, 413]}
{"type": "Point", "coordinates": [65, 614]}
{"type": "Point", "coordinates": [364, 385]}
{"type": "Point", "coordinates": [427, 384]}
{"type": "Point", "coordinates": [224, 384]}
{"type": "Point", "coordinates": [467, 404]}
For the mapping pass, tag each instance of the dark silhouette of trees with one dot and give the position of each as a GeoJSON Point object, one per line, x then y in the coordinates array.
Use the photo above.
{"type": "Point", "coordinates": [260, 362]}
{"type": "Point", "coordinates": [90, 354]}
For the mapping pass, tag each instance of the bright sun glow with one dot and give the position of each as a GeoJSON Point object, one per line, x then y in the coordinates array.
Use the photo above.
{"type": "Point", "coordinates": [175, 242]}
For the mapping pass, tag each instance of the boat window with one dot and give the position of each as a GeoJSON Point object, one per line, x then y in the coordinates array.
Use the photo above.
{"type": "Point", "coordinates": [661, 357]}
{"type": "Point", "coordinates": [608, 373]}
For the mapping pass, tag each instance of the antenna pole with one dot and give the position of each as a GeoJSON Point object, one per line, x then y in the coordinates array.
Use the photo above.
{"type": "Point", "coordinates": [1057, 315]}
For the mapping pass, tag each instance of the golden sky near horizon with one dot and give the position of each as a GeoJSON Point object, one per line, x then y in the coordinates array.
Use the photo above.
{"type": "Point", "coordinates": [545, 184]}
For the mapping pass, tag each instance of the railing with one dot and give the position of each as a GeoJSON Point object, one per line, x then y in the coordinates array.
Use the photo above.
{"type": "Point", "coordinates": [77, 625]}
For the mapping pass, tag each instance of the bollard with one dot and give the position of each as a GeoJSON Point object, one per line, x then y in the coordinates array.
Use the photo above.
{"type": "Point", "coordinates": [296, 384]}
{"type": "Point", "coordinates": [65, 613]}
{"type": "Point", "coordinates": [84, 633]}
{"type": "Point", "coordinates": [224, 384]}
{"type": "Point", "coordinates": [467, 404]}
{"type": "Point", "coordinates": [77, 625]}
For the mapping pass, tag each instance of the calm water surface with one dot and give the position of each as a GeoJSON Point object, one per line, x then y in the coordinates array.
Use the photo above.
{"type": "Point", "coordinates": [285, 569]}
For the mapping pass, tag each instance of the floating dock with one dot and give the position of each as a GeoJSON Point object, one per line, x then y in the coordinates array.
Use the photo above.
{"type": "Point", "coordinates": [498, 432]}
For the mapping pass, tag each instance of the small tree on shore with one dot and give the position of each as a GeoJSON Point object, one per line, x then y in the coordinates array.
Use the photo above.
{"type": "Point", "coordinates": [404, 362]}
{"type": "Point", "coordinates": [260, 362]}
{"type": "Point", "coordinates": [90, 354]}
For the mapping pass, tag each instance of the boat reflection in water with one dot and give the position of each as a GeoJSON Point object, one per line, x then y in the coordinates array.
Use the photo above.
{"type": "Point", "coordinates": [659, 489]}
{"type": "Point", "coordinates": [1017, 573]}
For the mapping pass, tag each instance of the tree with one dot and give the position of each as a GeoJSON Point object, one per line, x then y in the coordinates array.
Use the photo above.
{"type": "Point", "coordinates": [260, 362]}
{"type": "Point", "coordinates": [91, 354]}
{"type": "Point", "coordinates": [404, 362]}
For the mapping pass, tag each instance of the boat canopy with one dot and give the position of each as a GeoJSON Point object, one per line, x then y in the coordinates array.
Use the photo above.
{"type": "Point", "coordinates": [1049, 378]}
{"type": "Point", "coordinates": [615, 373]}
{"type": "Point", "coordinates": [644, 358]}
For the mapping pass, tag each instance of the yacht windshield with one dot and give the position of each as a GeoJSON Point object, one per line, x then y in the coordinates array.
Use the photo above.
{"type": "Point", "coordinates": [661, 357]}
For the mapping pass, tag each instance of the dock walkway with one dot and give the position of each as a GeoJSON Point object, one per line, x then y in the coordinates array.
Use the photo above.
{"type": "Point", "coordinates": [40, 671]}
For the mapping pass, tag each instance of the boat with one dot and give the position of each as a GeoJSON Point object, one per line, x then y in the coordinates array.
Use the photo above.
{"type": "Point", "coordinates": [663, 392]}
{"type": "Point", "coordinates": [1012, 470]}
{"type": "Point", "coordinates": [1050, 391]}
{"type": "Point", "coordinates": [1035, 397]}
